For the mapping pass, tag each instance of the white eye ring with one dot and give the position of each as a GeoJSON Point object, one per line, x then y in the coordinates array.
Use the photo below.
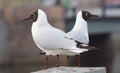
{"type": "Point", "coordinates": [86, 14]}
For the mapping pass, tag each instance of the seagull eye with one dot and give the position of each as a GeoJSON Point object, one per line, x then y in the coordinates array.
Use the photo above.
{"type": "Point", "coordinates": [86, 14]}
{"type": "Point", "coordinates": [33, 15]}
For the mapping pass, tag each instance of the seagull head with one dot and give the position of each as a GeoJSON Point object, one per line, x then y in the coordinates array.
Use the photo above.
{"type": "Point", "coordinates": [87, 15]}
{"type": "Point", "coordinates": [38, 14]}
{"type": "Point", "coordinates": [32, 16]}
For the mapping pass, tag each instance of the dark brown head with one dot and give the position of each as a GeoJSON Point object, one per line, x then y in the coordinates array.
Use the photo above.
{"type": "Point", "coordinates": [33, 16]}
{"type": "Point", "coordinates": [86, 15]}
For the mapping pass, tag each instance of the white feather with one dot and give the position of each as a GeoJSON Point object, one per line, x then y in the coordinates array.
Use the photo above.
{"type": "Point", "coordinates": [80, 30]}
{"type": "Point", "coordinates": [52, 40]}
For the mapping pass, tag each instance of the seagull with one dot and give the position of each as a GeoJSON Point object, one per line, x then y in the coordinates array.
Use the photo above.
{"type": "Point", "coordinates": [80, 29]}
{"type": "Point", "coordinates": [79, 33]}
{"type": "Point", "coordinates": [50, 40]}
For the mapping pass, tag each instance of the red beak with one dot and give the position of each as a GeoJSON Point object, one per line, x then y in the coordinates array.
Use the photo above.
{"type": "Point", "coordinates": [26, 19]}
{"type": "Point", "coordinates": [94, 15]}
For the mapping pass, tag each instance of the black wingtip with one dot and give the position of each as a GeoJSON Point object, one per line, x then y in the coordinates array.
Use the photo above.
{"type": "Point", "coordinates": [93, 48]}
{"type": "Point", "coordinates": [87, 47]}
{"type": "Point", "coordinates": [42, 53]}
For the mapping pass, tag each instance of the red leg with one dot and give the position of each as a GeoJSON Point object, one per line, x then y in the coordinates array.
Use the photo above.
{"type": "Point", "coordinates": [67, 60]}
{"type": "Point", "coordinates": [57, 64]}
{"type": "Point", "coordinates": [46, 63]}
{"type": "Point", "coordinates": [79, 60]}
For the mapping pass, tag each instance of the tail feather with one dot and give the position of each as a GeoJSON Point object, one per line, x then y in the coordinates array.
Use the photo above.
{"type": "Point", "coordinates": [86, 47]}
{"type": "Point", "coordinates": [79, 50]}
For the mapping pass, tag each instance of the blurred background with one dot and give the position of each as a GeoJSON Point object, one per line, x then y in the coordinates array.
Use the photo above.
{"type": "Point", "coordinates": [19, 54]}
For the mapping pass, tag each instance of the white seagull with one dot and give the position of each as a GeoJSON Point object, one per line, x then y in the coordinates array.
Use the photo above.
{"type": "Point", "coordinates": [79, 33]}
{"type": "Point", "coordinates": [80, 29]}
{"type": "Point", "coordinates": [51, 40]}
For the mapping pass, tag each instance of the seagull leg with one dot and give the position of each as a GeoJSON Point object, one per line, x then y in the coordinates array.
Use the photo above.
{"type": "Point", "coordinates": [79, 60]}
{"type": "Point", "coordinates": [57, 64]}
{"type": "Point", "coordinates": [67, 60]}
{"type": "Point", "coordinates": [46, 63]}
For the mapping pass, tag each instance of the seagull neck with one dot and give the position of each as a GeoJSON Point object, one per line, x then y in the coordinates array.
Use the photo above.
{"type": "Point", "coordinates": [80, 24]}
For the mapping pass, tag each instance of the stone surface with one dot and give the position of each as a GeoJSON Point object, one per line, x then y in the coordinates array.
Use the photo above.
{"type": "Point", "coordinates": [73, 70]}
